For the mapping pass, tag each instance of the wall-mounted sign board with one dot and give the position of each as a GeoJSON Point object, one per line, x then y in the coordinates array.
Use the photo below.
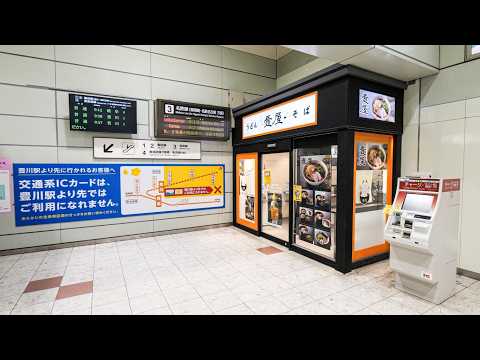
{"type": "Point", "coordinates": [292, 114]}
{"type": "Point", "coordinates": [182, 120]}
{"type": "Point", "coordinates": [101, 114]}
{"type": "Point", "coordinates": [376, 106]}
{"type": "Point", "coordinates": [5, 178]}
{"type": "Point", "coordinates": [108, 148]}
{"type": "Point", "coordinates": [55, 193]}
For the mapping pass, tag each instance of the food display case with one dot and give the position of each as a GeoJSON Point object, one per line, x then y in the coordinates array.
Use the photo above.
{"type": "Point", "coordinates": [327, 154]}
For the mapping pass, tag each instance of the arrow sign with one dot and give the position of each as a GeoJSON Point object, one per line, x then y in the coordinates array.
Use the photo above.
{"type": "Point", "coordinates": [107, 148]}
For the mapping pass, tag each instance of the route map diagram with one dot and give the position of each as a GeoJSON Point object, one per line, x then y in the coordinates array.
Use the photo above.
{"type": "Point", "coordinates": [165, 188]}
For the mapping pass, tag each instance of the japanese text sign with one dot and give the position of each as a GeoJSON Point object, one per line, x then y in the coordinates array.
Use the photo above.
{"type": "Point", "coordinates": [52, 193]}
{"type": "Point", "coordinates": [376, 106]}
{"type": "Point", "coordinates": [292, 114]}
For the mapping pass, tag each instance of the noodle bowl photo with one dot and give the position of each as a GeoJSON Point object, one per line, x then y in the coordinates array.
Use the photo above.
{"type": "Point", "coordinates": [315, 172]}
{"type": "Point", "coordinates": [376, 157]}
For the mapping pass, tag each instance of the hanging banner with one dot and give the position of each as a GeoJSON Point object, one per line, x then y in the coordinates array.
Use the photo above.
{"type": "Point", "coordinates": [292, 114]}
{"type": "Point", "coordinates": [53, 193]}
{"type": "Point", "coordinates": [5, 172]}
{"type": "Point", "coordinates": [108, 148]}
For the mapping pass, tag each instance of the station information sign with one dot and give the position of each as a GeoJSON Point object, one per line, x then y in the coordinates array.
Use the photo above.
{"type": "Point", "coordinates": [182, 120]}
{"type": "Point", "coordinates": [101, 114]}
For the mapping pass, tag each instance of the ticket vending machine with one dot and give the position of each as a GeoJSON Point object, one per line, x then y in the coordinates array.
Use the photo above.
{"type": "Point", "coordinates": [422, 229]}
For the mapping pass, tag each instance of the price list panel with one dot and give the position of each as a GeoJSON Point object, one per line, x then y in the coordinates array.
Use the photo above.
{"type": "Point", "coordinates": [100, 114]}
{"type": "Point", "coordinates": [175, 119]}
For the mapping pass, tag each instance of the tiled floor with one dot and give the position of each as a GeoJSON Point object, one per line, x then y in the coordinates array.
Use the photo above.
{"type": "Point", "coordinates": [216, 271]}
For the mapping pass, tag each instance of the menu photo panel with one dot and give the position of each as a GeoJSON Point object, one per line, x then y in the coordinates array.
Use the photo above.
{"type": "Point", "coordinates": [315, 181]}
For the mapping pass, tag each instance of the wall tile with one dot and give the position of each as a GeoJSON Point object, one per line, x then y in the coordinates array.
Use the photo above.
{"type": "Point", "coordinates": [409, 150]}
{"type": "Point", "coordinates": [441, 148]}
{"type": "Point", "coordinates": [40, 51]}
{"type": "Point", "coordinates": [18, 241]}
{"type": "Point", "coordinates": [170, 224]}
{"type": "Point", "coordinates": [29, 154]}
{"type": "Point", "coordinates": [106, 231]}
{"type": "Point", "coordinates": [167, 89]}
{"type": "Point", "coordinates": [166, 67]}
{"type": "Point", "coordinates": [105, 56]}
{"type": "Point", "coordinates": [23, 70]}
{"type": "Point", "coordinates": [20, 100]}
{"type": "Point", "coordinates": [470, 246]}
{"type": "Point", "coordinates": [239, 81]}
{"type": "Point", "coordinates": [105, 82]}
{"type": "Point", "coordinates": [254, 64]}
{"type": "Point", "coordinates": [20, 130]}
{"type": "Point", "coordinates": [208, 54]}
{"type": "Point", "coordinates": [473, 107]}
{"type": "Point", "coordinates": [448, 111]}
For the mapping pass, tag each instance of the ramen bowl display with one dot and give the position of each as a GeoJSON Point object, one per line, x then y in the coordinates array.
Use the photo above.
{"type": "Point", "coordinates": [381, 108]}
{"type": "Point", "coordinates": [314, 172]}
{"type": "Point", "coordinates": [376, 157]}
{"type": "Point", "coordinates": [322, 238]}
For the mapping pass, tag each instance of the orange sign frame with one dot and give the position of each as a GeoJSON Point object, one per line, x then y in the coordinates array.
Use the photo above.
{"type": "Point", "coordinates": [239, 157]}
{"type": "Point", "coordinates": [376, 138]}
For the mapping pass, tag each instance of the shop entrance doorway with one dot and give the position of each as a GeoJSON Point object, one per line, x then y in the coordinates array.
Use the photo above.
{"type": "Point", "coordinates": [275, 195]}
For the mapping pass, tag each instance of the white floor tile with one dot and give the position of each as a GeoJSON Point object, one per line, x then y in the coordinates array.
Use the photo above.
{"type": "Point", "coordinates": [72, 304]}
{"type": "Point", "coordinates": [37, 297]}
{"type": "Point", "coordinates": [117, 308]}
{"type": "Point", "coordinates": [147, 302]}
{"type": "Point", "coordinates": [180, 294]}
{"type": "Point", "coordinates": [105, 297]}
{"type": "Point", "coordinates": [236, 310]}
{"type": "Point", "coordinates": [342, 304]}
{"type": "Point", "coordinates": [37, 309]}
{"type": "Point", "coordinates": [222, 300]}
{"type": "Point", "coordinates": [191, 307]}
{"type": "Point", "coordinates": [267, 305]}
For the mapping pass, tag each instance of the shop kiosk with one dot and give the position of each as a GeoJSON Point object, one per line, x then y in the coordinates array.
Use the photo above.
{"type": "Point", "coordinates": [316, 162]}
{"type": "Point", "coordinates": [422, 230]}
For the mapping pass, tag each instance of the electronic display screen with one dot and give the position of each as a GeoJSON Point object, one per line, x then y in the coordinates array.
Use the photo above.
{"type": "Point", "coordinates": [418, 203]}
{"type": "Point", "coordinates": [101, 114]}
{"type": "Point", "coordinates": [176, 119]}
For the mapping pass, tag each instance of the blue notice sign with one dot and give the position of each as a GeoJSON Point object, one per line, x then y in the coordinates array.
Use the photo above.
{"type": "Point", "coordinates": [52, 193]}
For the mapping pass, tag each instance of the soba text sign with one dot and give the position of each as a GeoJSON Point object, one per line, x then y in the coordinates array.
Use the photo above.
{"type": "Point", "coordinates": [111, 148]}
{"type": "Point", "coordinates": [292, 114]}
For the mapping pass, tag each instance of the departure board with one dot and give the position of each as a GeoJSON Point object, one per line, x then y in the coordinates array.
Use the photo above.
{"type": "Point", "coordinates": [101, 114]}
{"type": "Point", "coordinates": [182, 120]}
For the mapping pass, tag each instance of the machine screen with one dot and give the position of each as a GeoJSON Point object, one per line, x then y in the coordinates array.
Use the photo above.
{"type": "Point", "coordinates": [418, 203]}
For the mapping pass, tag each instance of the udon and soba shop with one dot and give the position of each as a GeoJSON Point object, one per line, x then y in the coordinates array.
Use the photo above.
{"type": "Point", "coordinates": [316, 162]}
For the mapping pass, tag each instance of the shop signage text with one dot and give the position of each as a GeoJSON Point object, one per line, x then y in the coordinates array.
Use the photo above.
{"type": "Point", "coordinates": [292, 114]}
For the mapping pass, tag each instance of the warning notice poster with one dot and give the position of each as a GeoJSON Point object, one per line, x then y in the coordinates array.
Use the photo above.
{"type": "Point", "coordinates": [53, 193]}
{"type": "Point", "coordinates": [151, 189]}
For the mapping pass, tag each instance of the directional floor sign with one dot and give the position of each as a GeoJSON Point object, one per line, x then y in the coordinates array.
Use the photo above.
{"type": "Point", "coordinates": [108, 148]}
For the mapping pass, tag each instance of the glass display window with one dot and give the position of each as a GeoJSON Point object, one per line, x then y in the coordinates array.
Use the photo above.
{"type": "Point", "coordinates": [315, 181]}
{"type": "Point", "coordinates": [372, 184]}
{"type": "Point", "coordinates": [246, 190]}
